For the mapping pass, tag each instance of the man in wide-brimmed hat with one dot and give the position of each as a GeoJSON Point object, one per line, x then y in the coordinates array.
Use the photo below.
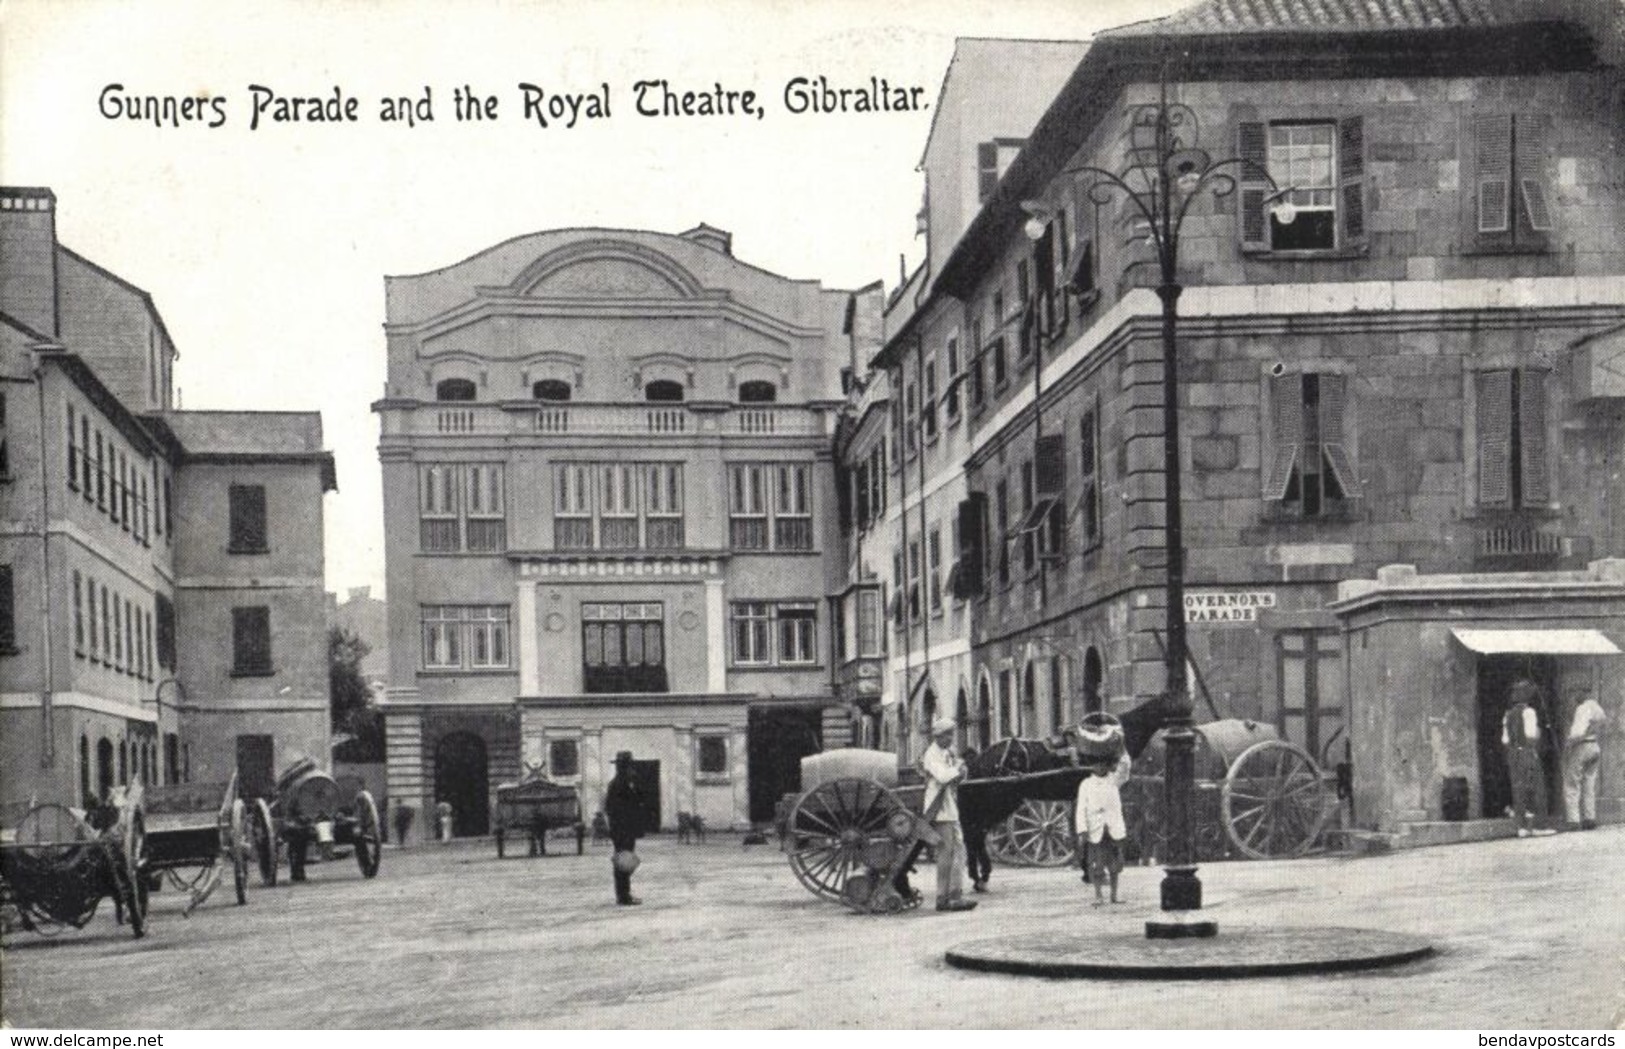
{"type": "Point", "coordinates": [623, 807]}
{"type": "Point", "coordinates": [943, 772]}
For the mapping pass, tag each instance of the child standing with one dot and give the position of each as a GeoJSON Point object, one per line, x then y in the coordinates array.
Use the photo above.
{"type": "Point", "coordinates": [1100, 825]}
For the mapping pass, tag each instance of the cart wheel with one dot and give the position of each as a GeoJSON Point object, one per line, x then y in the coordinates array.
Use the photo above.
{"type": "Point", "coordinates": [237, 848]}
{"type": "Point", "coordinates": [368, 835]}
{"type": "Point", "coordinates": [499, 843]}
{"type": "Point", "coordinates": [1274, 801]}
{"type": "Point", "coordinates": [265, 838]}
{"type": "Point", "coordinates": [1038, 834]}
{"type": "Point", "coordinates": [134, 833]}
{"type": "Point", "coordinates": [829, 828]}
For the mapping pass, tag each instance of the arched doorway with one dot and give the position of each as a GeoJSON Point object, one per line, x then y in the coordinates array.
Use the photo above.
{"type": "Point", "coordinates": [461, 778]}
{"type": "Point", "coordinates": [1057, 697]}
{"type": "Point", "coordinates": [962, 715]}
{"type": "Point", "coordinates": [1092, 699]}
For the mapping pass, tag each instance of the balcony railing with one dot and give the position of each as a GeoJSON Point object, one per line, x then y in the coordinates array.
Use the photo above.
{"type": "Point", "coordinates": [584, 419]}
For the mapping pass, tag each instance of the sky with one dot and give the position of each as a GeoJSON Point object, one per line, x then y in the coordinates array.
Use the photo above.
{"type": "Point", "coordinates": [265, 247]}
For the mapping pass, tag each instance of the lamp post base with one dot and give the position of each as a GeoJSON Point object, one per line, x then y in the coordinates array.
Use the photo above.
{"type": "Point", "coordinates": [1181, 925]}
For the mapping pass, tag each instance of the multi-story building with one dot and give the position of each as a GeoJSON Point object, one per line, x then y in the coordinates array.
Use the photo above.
{"type": "Point", "coordinates": [148, 557]}
{"type": "Point", "coordinates": [609, 503]}
{"type": "Point", "coordinates": [1415, 361]}
{"type": "Point", "coordinates": [993, 93]}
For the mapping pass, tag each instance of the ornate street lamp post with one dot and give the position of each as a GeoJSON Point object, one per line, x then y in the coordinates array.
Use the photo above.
{"type": "Point", "coordinates": [1164, 172]}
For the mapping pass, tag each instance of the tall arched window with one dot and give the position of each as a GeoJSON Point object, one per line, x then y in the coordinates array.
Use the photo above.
{"type": "Point", "coordinates": [551, 390]}
{"type": "Point", "coordinates": [84, 769]}
{"type": "Point", "coordinates": [1057, 700]}
{"type": "Point", "coordinates": [1029, 699]}
{"type": "Point", "coordinates": [454, 390]}
{"type": "Point", "coordinates": [663, 390]}
{"type": "Point", "coordinates": [104, 767]}
{"type": "Point", "coordinates": [758, 391]}
{"type": "Point", "coordinates": [124, 762]}
{"type": "Point", "coordinates": [984, 735]}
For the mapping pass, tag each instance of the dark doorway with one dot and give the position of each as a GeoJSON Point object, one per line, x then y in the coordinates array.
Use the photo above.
{"type": "Point", "coordinates": [461, 779]}
{"type": "Point", "coordinates": [646, 774]}
{"type": "Point", "coordinates": [256, 767]}
{"type": "Point", "coordinates": [779, 737]}
{"type": "Point", "coordinates": [1495, 677]}
{"type": "Point", "coordinates": [1092, 700]}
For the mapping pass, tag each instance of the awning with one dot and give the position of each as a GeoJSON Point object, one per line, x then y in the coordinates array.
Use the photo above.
{"type": "Point", "coordinates": [1553, 641]}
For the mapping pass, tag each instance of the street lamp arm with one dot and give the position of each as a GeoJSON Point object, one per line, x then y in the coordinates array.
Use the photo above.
{"type": "Point", "coordinates": [1217, 173]}
{"type": "Point", "coordinates": [1117, 182]}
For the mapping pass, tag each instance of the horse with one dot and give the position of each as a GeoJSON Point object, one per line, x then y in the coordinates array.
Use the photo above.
{"type": "Point", "coordinates": [988, 796]}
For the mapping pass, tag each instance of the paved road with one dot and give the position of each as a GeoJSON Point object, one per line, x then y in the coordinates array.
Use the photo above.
{"type": "Point", "coordinates": [1531, 934]}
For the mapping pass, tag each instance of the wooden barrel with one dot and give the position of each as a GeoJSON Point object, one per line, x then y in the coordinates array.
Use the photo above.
{"type": "Point", "coordinates": [849, 763]}
{"type": "Point", "coordinates": [311, 795]}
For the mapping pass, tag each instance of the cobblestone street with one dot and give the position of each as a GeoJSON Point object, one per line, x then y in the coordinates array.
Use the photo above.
{"type": "Point", "coordinates": [1529, 933]}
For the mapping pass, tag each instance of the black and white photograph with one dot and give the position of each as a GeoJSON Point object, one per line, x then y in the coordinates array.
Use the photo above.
{"type": "Point", "coordinates": [740, 515]}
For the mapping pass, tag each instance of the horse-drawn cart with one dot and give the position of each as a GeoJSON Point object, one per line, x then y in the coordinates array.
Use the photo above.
{"type": "Point", "coordinates": [56, 866]}
{"type": "Point", "coordinates": [312, 808]}
{"type": "Point", "coordinates": [194, 833]}
{"type": "Point", "coordinates": [854, 828]}
{"type": "Point", "coordinates": [535, 807]}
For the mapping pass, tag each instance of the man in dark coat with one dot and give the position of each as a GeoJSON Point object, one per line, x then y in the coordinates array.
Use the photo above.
{"type": "Point", "coordinates": [623, 807]}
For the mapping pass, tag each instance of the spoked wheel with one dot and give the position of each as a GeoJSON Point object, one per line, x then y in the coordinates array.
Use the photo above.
{"type": "Point", "coordinates": [368, 835]}
{"type": "Point", "coordinates": [831, 825]}
{"type": "Point", "coordinates": [263, 832]}
{"type": "Point", "coordinates": [40, 835]}
{"type": "Point", "coordinates": [1274, 801]}
{"type": "Point", "coordinates": [237, 848]}
{"type": "Point", "coordinates": [133, 827]}
{"type": "Point", "coordinates": [1038, 834]}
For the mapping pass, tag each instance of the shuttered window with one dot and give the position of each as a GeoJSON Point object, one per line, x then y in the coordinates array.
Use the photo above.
{"type": "Point", "coordinates": [251, 640]}
{"type": "Point", "coordinates": [1301, 185]}
{"type": "Point", "coordinates": [1309, 470]}
{"type": "Point", "coordinates": [247, 503]}
{"type": "Point", "coordinates": [1512, 469]}
{"type": "Point", "coordinates": [1089, 455]}
{"type": "Point", "coordinates": [8, 612]}
{"type": "Point", "coordinates": [1510, 204]}
{"type": "Point", "coordinates": [972, 534]}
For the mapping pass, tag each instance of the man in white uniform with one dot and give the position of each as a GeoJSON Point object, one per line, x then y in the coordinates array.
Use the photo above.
{"type": "Point", "coordinates": [1581, 760]}
{"type": "Point", "coordinates": [943, 772]}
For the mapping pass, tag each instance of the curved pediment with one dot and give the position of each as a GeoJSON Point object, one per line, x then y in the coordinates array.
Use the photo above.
{"type": "Point", "coordinates": [606, 270]}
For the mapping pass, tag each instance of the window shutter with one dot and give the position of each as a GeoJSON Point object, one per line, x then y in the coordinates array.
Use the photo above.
{"type": "Point", "coordinates": [1537, 489]}
{"type": "Point", "coordinates": [1531, 164]}
{"type": "Point", "coordinates": [1494, 438]}
{"type": "Point", "coordinates": [1252, 147]}
{"type": "Point", "coordinates": [1333, 409]}
{"type": "Point", "coordinates": [247, 505]}
{"type": "Point", "coordinates": [1351, 179]}
{"type": "Point", "coordinates": [1492, 176]}
{"type": "Point", "coordinates": [1286, 433]}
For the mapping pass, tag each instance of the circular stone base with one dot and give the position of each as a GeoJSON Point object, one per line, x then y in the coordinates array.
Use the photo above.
{"type": "Point", "coordinates": [1234, 953]}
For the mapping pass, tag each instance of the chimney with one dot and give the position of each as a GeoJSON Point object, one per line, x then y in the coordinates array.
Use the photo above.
{"type": "Point", "coordinates": [713, 238]}
{"type": "Point", "coordinates": [28, 257]}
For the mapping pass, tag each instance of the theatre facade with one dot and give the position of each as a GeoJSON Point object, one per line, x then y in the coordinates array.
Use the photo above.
{"type": "Point", "coordinates": [608, 503]}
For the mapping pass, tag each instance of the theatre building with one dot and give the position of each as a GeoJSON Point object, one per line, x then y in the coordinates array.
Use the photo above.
{"type": "Point", "coordinates": [609, 502]}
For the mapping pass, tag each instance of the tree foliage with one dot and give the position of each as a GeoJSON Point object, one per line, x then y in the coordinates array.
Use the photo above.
{"type": "Point", "coordinates": [351, 699]}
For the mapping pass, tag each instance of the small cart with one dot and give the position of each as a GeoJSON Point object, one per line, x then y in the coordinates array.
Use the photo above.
{"type": "Point", "coordinates": [535, 807]}
{"type": "Point", "coordinates": [56, 866]}
{"type": "Point", "coordinates": [195, 832]}
{"type": "Point", "coordinates": [312, 808]}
